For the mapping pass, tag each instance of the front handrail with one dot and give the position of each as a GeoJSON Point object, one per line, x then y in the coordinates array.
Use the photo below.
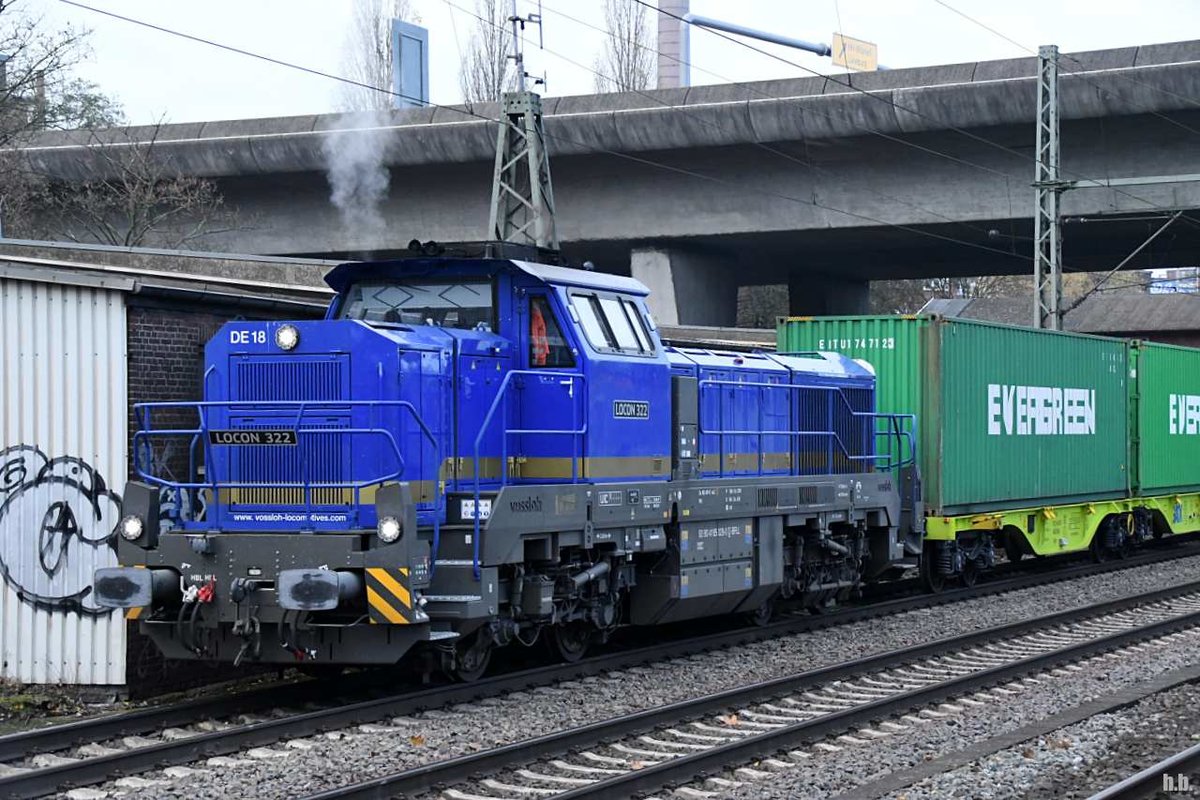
{"type": "Point", "coordinates": [901, 434]}
{"type": "Point", "coordinates": [487, 421]}
{"type": "Point", "coordinates": [143, 413]}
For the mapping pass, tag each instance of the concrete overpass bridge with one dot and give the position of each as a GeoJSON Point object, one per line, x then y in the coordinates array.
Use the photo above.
{"type": "Point", "coordinates": [906, 173]}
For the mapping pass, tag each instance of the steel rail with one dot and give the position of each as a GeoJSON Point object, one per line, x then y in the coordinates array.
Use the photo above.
{"type": "Point", "coordinates": [414, 781]}
{"type": "Point", "coordinates": [62, 736]}
{"type": "Point", "coordinates": [1149, 781]}
{"type": "Point", "coordinates": [97, 769]}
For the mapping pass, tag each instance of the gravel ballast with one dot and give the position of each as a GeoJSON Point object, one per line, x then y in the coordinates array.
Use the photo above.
{"type": "Point", "coordinates": [291, 769]}
{"type": "Point", "coordinates": [1077, 761]}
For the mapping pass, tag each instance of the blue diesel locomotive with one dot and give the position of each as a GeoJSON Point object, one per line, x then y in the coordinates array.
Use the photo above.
{"type": "Point", "coordinates": [467, 453]}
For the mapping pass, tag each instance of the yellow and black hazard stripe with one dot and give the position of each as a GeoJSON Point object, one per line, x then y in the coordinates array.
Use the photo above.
{"type": "Point", "coordinates": [388, 596]}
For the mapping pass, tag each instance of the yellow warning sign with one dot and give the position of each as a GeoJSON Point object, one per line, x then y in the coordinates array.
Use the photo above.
{"type": "Point", "coordinates": [855, 54]}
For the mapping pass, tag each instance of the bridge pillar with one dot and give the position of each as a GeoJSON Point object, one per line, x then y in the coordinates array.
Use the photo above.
{"type": "Point", "coordinates": [815, 295]}
{"type": "Point", "coordinates": [687, 288]}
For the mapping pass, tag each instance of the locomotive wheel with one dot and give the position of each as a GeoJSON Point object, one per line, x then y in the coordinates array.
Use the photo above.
{"type": "Point", "coordinates": [471, 659]}
{"type": "Point", "coordinates": [822, 607]}
{"type": "Point", "coordinates": [930, 579]}
{"type": "Point", "coordinates": [322, 672]}
{"type": "Point", "coordinates": [762, 615]}
{"type": "Point", "coordinates": [570, 642]}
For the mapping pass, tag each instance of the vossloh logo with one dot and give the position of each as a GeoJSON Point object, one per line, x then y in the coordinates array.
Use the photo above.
{"type": "Point", "coordinates": [1185, 414]}
{"type": "Point", "coordinates": [1040, 411]}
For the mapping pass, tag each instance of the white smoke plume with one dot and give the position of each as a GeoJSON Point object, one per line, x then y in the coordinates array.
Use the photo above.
{"type": "Point", "coordinates": [358, 177]}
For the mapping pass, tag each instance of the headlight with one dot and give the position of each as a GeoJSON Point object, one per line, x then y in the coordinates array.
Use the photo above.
{"type": "Point", "coordinates": [389, 529]}
{"type": "Point", "coordinates": [131, 528]}
{"type": "Point", "coordinates": [287, 337]}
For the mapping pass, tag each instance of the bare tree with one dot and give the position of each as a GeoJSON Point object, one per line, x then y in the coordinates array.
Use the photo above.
{"type": "Point", "coordinates": [368, 53]}
{"type": "Point", "coordinates": [130, 196]}
{"type": "Point", "coordinates": [909, 296]}
{"type": "Point", "coordinates": [124, 194]}
{"type": "Point", "coordinates": [898, 296]}
{"type": "Point", "coordinates": [759, 306]}
{"type": "Point", "coordinates": [625, 64]}
{"type": "Point", "coordinates": [38, 91]}
{"type": "Point", "coordinates": [487, 72]}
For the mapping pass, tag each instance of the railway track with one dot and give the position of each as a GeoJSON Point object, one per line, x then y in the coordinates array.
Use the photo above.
{"type": "Point", "coordinates": [94, 750]}
{"type": "Point", "coordinates": [1172, 774]}
{"type": "Point", "coordinates": [758, 724]}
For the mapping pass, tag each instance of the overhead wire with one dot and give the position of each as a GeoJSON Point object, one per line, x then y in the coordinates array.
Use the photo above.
{"type": "Point", "coordinates": [750, 86]}
{"type": "Point", "coordinates": [586, 146]}
{"type": "Point", "coordinates": [1082, 71]}
{"type": "Point", "coordinates": [685, 110]}
{"type": "Point", "coordinates": [887, 101]}
{"type": "Point", "coordinates": [1082, 75]}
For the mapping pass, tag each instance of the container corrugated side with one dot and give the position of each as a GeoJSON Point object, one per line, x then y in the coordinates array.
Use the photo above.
{"type": "Point", "coordinates": [1024, 417]}
{"type": "Point", "coordinates": [63, 446]}
{"type": "Point", "coordinates": [1167, 414]}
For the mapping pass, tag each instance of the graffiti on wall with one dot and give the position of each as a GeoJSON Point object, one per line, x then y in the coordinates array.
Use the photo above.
{"type": "Point", "coordinates": [57, 523]}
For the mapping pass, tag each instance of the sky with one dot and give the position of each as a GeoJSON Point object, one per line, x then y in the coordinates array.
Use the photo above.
{"type": "Point", "coordinates": [159, 77]}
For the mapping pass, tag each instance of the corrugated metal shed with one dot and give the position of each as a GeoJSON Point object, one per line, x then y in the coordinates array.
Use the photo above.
{"type": "Point", "coordinates": [64, 415]}
{"type": "Point", "coordinates": [63, 443]}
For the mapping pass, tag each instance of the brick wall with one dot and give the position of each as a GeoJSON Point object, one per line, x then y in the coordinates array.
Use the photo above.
{"type": "Point", "coordinates": [165, 345]}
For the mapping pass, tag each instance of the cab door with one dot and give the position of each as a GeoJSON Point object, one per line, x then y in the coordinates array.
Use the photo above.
{"type": "Point", "coordinates": [550, 395]}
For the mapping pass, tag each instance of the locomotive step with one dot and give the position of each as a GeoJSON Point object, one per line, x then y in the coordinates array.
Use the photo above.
{"type": "Point", "coordinates": [455, 543]}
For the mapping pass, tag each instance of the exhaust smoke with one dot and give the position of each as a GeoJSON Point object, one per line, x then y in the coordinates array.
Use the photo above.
{"type": "Point", "coordinates": [358, 178]}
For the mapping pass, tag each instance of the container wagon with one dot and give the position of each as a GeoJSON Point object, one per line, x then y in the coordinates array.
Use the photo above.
{"type": "Point", "coordinates": [1033, 441]}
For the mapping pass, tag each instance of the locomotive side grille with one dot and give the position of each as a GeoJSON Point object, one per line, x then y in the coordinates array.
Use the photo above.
{"type": "Point", "coordinates": [768, 497]}
{"type": "Point", "coordinates": [265, 381]}
{"type": "Point", "coordinates": [814, 406]}
{"type": "Point", "coordinates": [856, 433]}
{"type": "Point", "coordinates": [823, 411]}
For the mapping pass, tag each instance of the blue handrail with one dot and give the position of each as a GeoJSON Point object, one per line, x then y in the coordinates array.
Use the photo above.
{"type": "Point", "coordinates": [487, 421]}
{"type": "Point", "coordinates": [143, 438]}
{"type": "Point", "coordinates": [902, 434]}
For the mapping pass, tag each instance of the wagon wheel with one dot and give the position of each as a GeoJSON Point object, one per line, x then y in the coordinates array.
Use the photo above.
{"type": "Point", "coordinates": [1012, 548]}
{"type": "Point", "coordinates": [1099, 552]}
{"type": "Point", "coordinates": [570, 641]}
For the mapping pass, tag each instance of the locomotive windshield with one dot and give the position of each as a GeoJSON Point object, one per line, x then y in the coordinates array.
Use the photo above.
{"type": "Point", "coordinates": [461, 304]}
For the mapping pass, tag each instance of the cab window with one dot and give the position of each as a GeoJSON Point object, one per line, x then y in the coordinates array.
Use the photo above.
{"type": "Point", "coordinates": [590, 315]}
{"type": "Point", "coordinates": [612, 323]}
{"type": "Point", "coordinates": [618, 321]}
{"type": "Point", "coordinates": [465, 303]}
{"type": "Point", "coordinates": [639, 325]}
{"type": "Point", "coordinates": [547, 345]}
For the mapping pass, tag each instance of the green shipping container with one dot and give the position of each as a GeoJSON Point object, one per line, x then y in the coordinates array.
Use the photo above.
{"type": "Point", "coordinates": [1166, 407]}
{"type": "Point", "coordinates": [1008, 417]}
